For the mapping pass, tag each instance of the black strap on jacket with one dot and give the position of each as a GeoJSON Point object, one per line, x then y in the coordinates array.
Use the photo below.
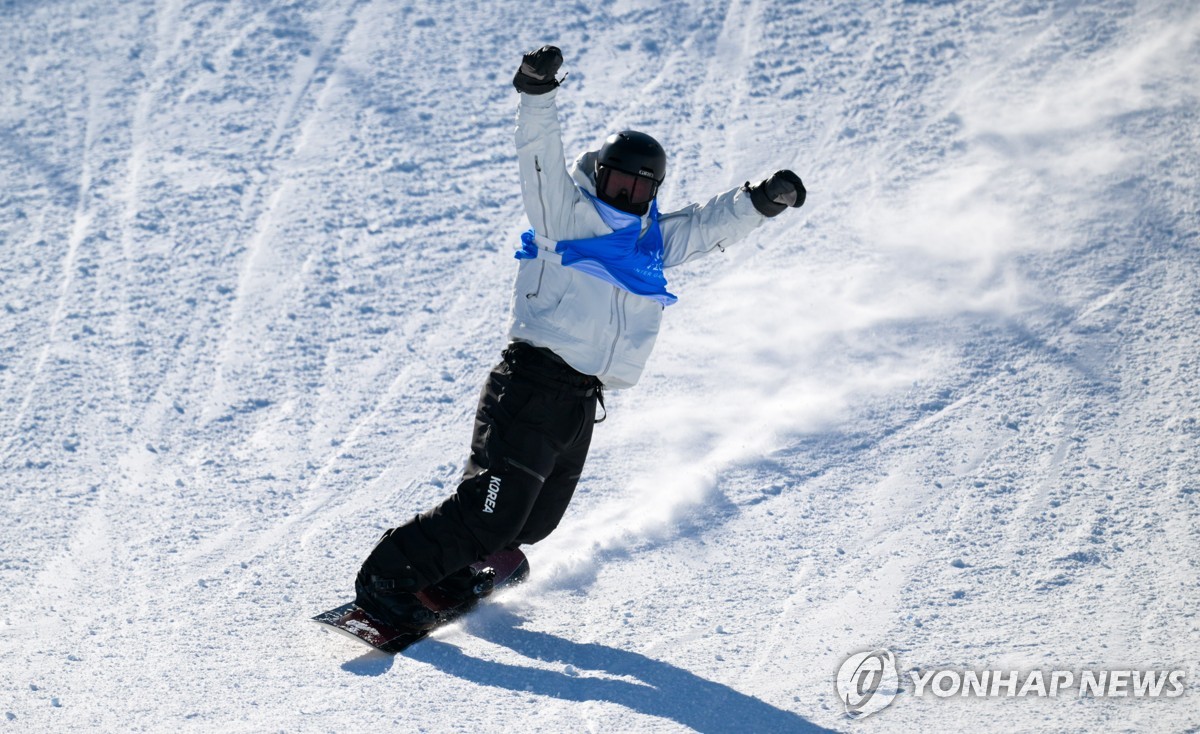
{"type": "Point", "coordinates": [544, 366]}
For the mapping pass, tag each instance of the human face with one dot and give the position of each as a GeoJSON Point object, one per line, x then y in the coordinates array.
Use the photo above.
{"type": "Point", "coordinates": [626, 191]}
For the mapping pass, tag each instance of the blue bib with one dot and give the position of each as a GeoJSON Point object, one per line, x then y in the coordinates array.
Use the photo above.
{"type": "Point", "coordinates": [621, 258]}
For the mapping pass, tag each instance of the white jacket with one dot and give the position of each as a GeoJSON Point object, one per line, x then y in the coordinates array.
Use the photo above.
{"type": "Point", "coordinates": [595, 327]}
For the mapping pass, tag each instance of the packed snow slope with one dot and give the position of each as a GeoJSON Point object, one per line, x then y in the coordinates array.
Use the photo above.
{"type": "Point", "coordinates": [257, 259]}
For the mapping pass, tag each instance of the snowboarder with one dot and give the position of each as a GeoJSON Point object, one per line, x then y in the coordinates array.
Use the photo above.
{"type": "Point", "coordinates": [588, 301]}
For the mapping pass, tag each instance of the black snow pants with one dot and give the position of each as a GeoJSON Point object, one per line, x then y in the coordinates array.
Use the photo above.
{"type": "Point", "coordinates": [533, 427]}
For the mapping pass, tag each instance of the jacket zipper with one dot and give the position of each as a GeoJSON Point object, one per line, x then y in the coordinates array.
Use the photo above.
{"type": "Point", "coordinates": [619, 305]}
{"type": "Point", "coordinates": [537, 164]}
{"type": "Point", "coordinates": [538, 290]}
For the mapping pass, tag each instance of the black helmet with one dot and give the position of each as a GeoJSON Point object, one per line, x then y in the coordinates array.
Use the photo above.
{"type": "Point", "coordinates": [636, 153]}
{"type": "Point", "coordinates": [629, 169]}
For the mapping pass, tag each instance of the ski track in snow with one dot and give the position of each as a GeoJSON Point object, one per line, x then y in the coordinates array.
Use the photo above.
{"type": "Point", "coordinates": [257, 264]}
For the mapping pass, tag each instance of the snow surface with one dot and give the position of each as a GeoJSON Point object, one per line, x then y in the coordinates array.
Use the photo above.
{"type": "Point", "coordinates": [256, 261]}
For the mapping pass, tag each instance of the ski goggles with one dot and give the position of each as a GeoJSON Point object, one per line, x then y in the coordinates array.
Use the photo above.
{"type": "Point", "coordinates": [611, 183]}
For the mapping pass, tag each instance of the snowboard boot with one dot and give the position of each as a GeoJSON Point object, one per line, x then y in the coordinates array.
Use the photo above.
{"type": "Point", "coordinates": [393, 600]}
{"type": "Point", "coordinates": [467, 583]}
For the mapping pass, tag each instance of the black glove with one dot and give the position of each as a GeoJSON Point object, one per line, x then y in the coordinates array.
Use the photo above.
{"type": "Point", "coordinates": [779, 191]}
{"type": "Point", "coordinates": [536, 75]}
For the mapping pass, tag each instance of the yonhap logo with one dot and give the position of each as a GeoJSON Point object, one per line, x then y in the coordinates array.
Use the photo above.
{"type": "Point", "coordinates": [868, 682]}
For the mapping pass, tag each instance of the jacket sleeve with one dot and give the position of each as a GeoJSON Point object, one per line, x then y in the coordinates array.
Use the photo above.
{"type": "Point", "coordinates": [546, 186]}
{"type": "Point", "coordinates": [698, 229]}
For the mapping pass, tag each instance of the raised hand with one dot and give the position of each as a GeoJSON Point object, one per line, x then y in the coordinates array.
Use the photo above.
{"type": "Point", "coordinates": [537, 70]}
{"type": "Point", "coordinates": [777, 192]}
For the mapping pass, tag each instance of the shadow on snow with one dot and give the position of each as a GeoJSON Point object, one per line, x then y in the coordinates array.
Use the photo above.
{"type": "Point", "coordinates": [652, 687]}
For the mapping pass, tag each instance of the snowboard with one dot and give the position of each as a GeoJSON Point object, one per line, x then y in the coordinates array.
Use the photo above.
{"type": "Point", "coordinates": [511, 567]}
